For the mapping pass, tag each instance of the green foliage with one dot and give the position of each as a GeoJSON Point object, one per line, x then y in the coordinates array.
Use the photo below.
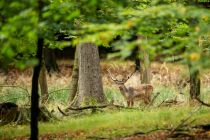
{"type": "Point", "coordinates": [18, 32]}
{"type": "Point", "coordinates": [162, 27]}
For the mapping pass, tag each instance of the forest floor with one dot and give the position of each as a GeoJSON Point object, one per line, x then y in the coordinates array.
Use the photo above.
{"type": "Point", "coordinates": [164, 119]}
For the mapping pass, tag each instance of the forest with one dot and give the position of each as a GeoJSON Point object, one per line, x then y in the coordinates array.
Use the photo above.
{"type": "Point", "coordinates": [105, 69]}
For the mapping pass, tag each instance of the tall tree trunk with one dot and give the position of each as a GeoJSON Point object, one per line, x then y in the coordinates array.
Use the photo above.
{"type": "Point", "coordinates": [74, 78]}
{"type": "Point", "coordinates": [43, 83]}
{"type": "Point", "coordinates": [138, 64]}
{"type": "Point", "coordinates": [35, 79]}
{"type": "Point", "coordinates": [90, 81]}
{"type": "Point", "coordinates": [146, 73]}
{"type": "Point", "coordinates": [195, 83]}
{"type": "Point", "coordinates": [34, 94]}
{"type": "Point", "coordinates": [137, 59]}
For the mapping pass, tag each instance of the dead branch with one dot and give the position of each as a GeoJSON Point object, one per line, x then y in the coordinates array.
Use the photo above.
{"type": "Point", "coordinates": [92, 107]}
{"type": "Point", "coordinates": [62, 112]}
{"type": "Point", "coordinates": [183, 122]}
{"type": "Point", "coordinates": [202, 103]}
{"type": "Point", "coordinates": [58, 90]}
{"type": "Point", "coordinates": [154, 98]}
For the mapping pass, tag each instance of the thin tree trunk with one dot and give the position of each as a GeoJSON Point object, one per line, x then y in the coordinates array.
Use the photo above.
{"type": "Point", "coordinates": [138, 64]}
{"type": "Point", "coordinates": [195, 83]}
{"type": "Point", "coordinates": [146, 75]}
{"type": "Point", "coordinates": [90, 82]}
{"type": "Point", "coordinates": [74, 78]}
{"type": "Point", "coordinates": [35, 79]}
{"type": "Point", "coordinates": [43, 84]}
{"type": "Point", "coordinates": [34, 95]}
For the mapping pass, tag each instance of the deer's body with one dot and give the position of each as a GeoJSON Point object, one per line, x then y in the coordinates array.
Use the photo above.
{"type": "Point", "coordinates": [131, 94]}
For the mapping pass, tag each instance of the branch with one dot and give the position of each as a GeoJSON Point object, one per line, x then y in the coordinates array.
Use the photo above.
{"type": "Point", "coordinates": [91, 107]}
{"type": "Point", "coordinates": [202, 103]}
{"type": "Point", "coordinates": [58, 90]}
{"type": "Point", "coordinates": [95, 107]}
{"type": "Point", "coordinates": [15, 87]}
{"type": "Point", "coordinates": [183, 121]}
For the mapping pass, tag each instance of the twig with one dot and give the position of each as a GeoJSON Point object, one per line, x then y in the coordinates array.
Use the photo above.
{"type": "Point", "coordinates": [62, 112]}
{"type": "Point", "coordinates": [15, 87]}
{"type": "Point", "coordinates": [202, 103]}
{"type": "Point", "coordinates": [161, 103]}
{"type": "Point", "coordinates": [58, 90]}
{"type": "Point", "coordinates": [153, 99]}
{"type": "Point", "coordinates": [183, 122]}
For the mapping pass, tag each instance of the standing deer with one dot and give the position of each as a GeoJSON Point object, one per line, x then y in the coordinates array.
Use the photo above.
{"type": "Point", "coordinates": [131, 94]}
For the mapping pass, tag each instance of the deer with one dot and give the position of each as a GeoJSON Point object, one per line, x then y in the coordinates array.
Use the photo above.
{"type": "Point", "coordinates": [131, 94]}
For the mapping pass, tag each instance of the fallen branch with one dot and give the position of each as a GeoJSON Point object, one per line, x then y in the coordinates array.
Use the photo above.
{"type": "Point", "coordinates": [202, 103]}
{"type": "Point", "coordinates": [91, 107]}
{"type": "Point", "coordinates": [183, 122]}
{"type": "Point", "coordinates": [62, 112]}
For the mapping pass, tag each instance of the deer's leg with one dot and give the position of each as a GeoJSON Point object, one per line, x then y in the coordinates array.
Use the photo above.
{"type": "Point", "coordinates": [128, 103]}
{"type": "Point", "coordinates": [146, 101]}
{"type": "Point", "coordinates": [132, 103]}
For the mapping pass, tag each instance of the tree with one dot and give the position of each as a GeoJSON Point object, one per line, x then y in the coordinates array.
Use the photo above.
{"type": "Point", "coordinates": [90, 88]}
{"type": "Point", "coordinates": [43, 83]}
{"type": "Point", "coordinates": [195, 83]}
{"type": "Point", "coordinates": [171, 28]}
{"type": "Point", "coordinates": [34, 93]}
{"type": "Point", "coordinates": [74, 79]}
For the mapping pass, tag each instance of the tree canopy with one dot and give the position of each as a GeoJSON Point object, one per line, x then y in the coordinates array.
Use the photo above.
{"type": "Point", "coordinates": [162, 27]}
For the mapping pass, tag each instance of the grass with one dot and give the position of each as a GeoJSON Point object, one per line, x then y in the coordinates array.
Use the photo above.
{"type": "Point", "coordinates": [114, 123]}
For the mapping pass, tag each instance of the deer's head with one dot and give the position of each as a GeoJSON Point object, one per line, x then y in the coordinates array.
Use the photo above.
{"type": "Point", "coordinates": [120, 80]}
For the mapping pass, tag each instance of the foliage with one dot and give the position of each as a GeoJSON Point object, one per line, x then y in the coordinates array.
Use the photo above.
{"type": "Point", "coordinates": [164, 29]}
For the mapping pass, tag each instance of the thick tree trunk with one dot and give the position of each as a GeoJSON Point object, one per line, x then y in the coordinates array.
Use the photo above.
{"type": "Point", "coordinates": [74, 78]}
{"type": "Point", "coordinates": [34, 95]}
{"type": "Point", "coordinates": [195, 83]}
{"type": "Point", "coordinates": [90, 82]}
{"type": "Point", "coordinates": [43, 84]}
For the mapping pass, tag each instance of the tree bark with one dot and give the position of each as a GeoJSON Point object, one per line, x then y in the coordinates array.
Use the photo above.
{"type": "Point", "coordinates": [90, 81]}
{"type": "Point", "coordinates": [195, 83]}
{"type": "Point", "coordinates": [34, 94]}
{"type": "Point", "coordinates": [50, 60]}
{"type": "Point", "coordinates": [35, 79]}
{"type": "Point", "coordinates": [74, 78]}
{"type": "Point", "coordinates": [43, 83]}
{"type": "Point", "coordinates": [146, 73]}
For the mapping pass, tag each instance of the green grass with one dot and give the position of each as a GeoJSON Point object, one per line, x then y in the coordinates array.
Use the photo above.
{"type": "Point", "coordinates": [115, 123]}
